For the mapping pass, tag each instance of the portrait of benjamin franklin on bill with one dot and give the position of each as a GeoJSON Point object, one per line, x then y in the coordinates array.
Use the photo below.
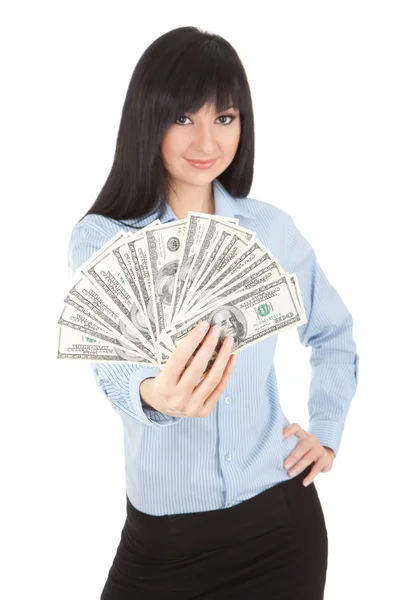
{"type": "Point", "coordinates": [232, 323]}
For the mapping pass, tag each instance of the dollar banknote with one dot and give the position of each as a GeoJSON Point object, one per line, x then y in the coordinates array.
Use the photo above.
{"type": "Point", "coordinates": [248, 316]}
{"type": "Point", "coordinates": [195, 244]}
{"type": "Point", "coordinates": [136, 298]}
{"type": "Point", "coordinates": [75, 345]}
{"type": "Point", "coordinates": [223, 245]}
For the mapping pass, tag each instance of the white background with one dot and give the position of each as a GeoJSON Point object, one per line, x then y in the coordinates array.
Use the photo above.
{"type": "Point", "coordinates": [324, 78]}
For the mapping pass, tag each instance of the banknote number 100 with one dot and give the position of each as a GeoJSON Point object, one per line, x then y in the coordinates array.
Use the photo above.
{"type": "Point", "coordinates": [284, 317]}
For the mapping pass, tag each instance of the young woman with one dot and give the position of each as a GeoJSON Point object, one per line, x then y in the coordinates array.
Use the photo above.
{"type": "Point", "coordinates": [221, 500]}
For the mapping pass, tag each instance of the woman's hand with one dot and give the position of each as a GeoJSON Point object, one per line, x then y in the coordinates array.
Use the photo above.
{"type": "Point", "coordinates": [307, 451]}
{"type": "Point", "coordinates": [175, 392]}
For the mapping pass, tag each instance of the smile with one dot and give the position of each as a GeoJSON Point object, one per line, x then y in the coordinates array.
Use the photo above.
{"type": "Point", "coordinates": [198, 164]}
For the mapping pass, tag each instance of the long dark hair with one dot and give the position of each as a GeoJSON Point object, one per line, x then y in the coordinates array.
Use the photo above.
{"type": "Point", "coordinates": [179, 72]}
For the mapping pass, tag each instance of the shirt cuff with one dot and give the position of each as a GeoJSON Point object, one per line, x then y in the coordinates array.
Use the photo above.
{"type": "Point", "coordinates": [328, 433]}
{"type": "Point", "coordinates": [148, 416]}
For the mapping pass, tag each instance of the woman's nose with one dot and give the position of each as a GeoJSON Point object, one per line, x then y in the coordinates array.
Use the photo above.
{"type": "Point", "coordinates": [205, 138]}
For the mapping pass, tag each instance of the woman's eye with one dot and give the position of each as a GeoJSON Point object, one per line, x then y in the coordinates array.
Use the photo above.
{"type": "Point", "coordinates": [227, 117]}
{"type": "Point", "coordinates": [180, 118]}
{"type": "Point", "coordinates": [232, 117]}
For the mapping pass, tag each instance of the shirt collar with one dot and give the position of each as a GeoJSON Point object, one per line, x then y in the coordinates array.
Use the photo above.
{"type": "Point", "coordinates": [225, 206]}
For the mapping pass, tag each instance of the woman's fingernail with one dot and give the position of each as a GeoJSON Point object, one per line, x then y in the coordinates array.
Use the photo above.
{"type": "Point", "coordinates": [216, 330]}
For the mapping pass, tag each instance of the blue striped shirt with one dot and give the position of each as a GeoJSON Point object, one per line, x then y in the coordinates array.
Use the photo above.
{"type": "Point", "coordinates": [180, 465]}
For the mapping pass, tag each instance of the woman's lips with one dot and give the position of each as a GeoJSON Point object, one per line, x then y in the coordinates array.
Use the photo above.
{"type": "Point", "coordinates": [201, 165]}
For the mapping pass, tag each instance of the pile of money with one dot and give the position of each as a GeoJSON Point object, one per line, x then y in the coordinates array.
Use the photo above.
{"type": "Point", "coordinates": [138, 296]}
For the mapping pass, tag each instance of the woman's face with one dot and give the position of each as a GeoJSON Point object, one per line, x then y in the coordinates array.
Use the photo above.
{"type": "Point", "coordinates": [201, 136]}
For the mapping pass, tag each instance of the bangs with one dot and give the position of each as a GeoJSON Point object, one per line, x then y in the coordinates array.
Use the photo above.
{"type": "Point", "coordinates": [202, 75]}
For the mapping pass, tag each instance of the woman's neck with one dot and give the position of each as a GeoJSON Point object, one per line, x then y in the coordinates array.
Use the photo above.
{"type": "Point", "coordinates": [194, 199]}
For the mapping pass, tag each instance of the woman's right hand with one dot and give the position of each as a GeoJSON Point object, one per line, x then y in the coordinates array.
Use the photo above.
{"type": "Point", "coordinates": [174, 390]}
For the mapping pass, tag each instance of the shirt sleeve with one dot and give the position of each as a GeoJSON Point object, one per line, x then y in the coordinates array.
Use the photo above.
{"type": "Point", "coordinates": [329, 332]}
{"type": "Point", "coordinates": [119, 382]}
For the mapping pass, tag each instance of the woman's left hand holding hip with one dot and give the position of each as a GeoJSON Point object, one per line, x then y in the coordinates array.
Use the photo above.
{"type": "Point", "coordinates": [307, 451]}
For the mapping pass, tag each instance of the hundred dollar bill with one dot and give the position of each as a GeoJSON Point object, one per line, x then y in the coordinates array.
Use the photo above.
{"type": "Point", "coordinates": [252, 276]}
{"type": "Point", "coordinates": [78, 318]}
{"type": "Point", "coordinates": [77, 315]}
{"type": "Point", "coordinates": [134, 255]}
{"type": "Point", "coordinates": [125, 258]}
{"type": "Point", "coordinates": [227, 244]}
{"type": "Point", "coordinates": [226, 247]}
{"type": "Point", "coordinates": [132, 261]}
{"type": "Point", "coordinates": [86, 293]}
{"type": "Point", "coordinates": [78, 322]}
{"type": "Point", "coordinates": [138, 314]}
{"type": "Point", "coordinates": [75, 345]}
{"type": "Point", "coordinates": [165, 341]}
{"type": "Point", "coordinates": [139, 252]}
{"type": "Point", "coordinates": [217, 280]}
{"type": "Point", "coordinates": [263, 273]}
{"type": "Point", "coordinates": [196, 226]}
{"type": "Point", "coordinates": [249, 316]}
{"type": "Point", "coordinates": [242, 278]}
{"type": "Point", "coordinates": [130, 251]}
{"type": "Point", "coordinates": [164, 247]}
{"type": "Point", "coordinates": [107, 272]}
{"type": "Point", "coordinates": [204, 253]}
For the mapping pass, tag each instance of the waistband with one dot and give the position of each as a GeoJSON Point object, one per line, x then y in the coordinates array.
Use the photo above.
{"type": "Point", "coordinates": [177, 534]}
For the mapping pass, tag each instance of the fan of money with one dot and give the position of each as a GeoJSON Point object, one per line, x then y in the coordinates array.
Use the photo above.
{"type": "Point", "coordinates": [138, 296]}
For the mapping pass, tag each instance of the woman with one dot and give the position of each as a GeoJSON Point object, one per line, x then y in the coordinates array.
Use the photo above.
{"type": "Point", "coordinates": [214, 509]}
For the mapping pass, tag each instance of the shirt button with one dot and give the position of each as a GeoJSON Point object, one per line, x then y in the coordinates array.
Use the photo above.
{"type": "Point", "coordinates": [228, 457]}
{"type": "Point", "coordinates": [227, 400]}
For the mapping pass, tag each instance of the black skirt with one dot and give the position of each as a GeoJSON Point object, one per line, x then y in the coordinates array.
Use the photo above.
{"type": "Point", "coordinates": [273, 546]}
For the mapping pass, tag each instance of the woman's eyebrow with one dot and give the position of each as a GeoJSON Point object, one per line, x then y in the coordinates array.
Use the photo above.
{"type": "Point", "coordinates": [227, 107]}
{"type": "Point", "coordinates": [217, 113]}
